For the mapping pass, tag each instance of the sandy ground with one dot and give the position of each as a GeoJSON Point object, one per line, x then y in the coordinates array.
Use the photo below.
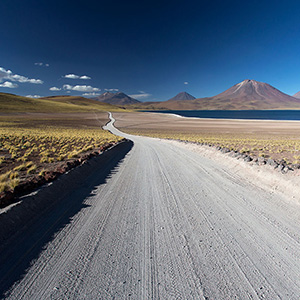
{"type": "Point", "coordinates": [164, 222]}
{"type": "Point", "coordinates": [173, 123]}
{"type": "Point", "coordinates": [276, 140]}
{"type": "Point", "coordinates": [262, 176]}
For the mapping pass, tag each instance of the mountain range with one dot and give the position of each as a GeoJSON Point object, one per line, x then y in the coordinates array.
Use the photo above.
{"type": "Point", "coordinates": [246, 95]}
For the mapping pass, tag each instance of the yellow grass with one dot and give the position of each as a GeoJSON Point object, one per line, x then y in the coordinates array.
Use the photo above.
{"type": "Point", "coordinates": [23, 149]}
{"type": "Point", "coordinates": [10, 103]}
{"type": "Point", "coordinates": [285, 148]}
{"type": "Point", "coordinates": [278, 140]}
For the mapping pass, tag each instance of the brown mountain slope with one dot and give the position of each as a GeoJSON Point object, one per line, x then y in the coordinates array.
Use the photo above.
{"type": "Point", "coordinates": [182, 96]}
{"type": "Point", "coordinates": [116, 98]}
{"type": "Point", "coordinates": [82, 103]}
{"type": "Point", "coordinates": [297, 95]}
{"type": "Point", "coordinates": [246, 95]}
{"type": "Point", "coordinates": [10, 103]}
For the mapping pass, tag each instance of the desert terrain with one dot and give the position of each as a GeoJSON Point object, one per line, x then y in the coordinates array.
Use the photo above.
{"type": "Point", "coordinates": [106, 193]}
{"type": "Point", "coordinates": [274, 140]}
{"type": "Point", "coordinates": [40, 139]}
{"type": "Point", "coordinates": [159, 220]}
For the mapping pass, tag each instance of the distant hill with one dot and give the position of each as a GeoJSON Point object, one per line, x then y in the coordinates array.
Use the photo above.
{"type": "Point", "coordinates": [81, 102]}
{"type": "Point", "coordinates": [297, 95]}
{"type": "Point", "coordinates": [246, 95]}
{"type": "Point", "coordinates": [182, 96]}
{"type": "Point", "coordinates": [116, 98]}
{"type": "Point", "coordinates": [10, 103]}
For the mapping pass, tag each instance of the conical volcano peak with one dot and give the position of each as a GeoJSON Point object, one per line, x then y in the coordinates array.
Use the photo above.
{"type": "Point", "coordinates": [250, 90]}
{"type": "Point", "coordinates": [118, 98]}
{"type": "Point", "coordinates": [182, 96]}
{"type": "Point", "coordinates": [107, 94]}
{"type": "Point", "coordinates": [250, 81]}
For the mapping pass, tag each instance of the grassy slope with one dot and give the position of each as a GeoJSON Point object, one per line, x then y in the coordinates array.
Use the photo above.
{"type": "Point", "coordinates": [40, 136]}
{"type": "Point", "coordinates": [10, 103]}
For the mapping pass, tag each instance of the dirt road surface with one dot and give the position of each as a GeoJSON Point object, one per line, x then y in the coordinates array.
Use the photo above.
{"type": "Point", "coordinates": [166, 223]}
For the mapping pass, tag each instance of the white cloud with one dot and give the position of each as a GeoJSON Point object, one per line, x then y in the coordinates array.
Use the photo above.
{"type": "Point", "coordinates": [80, 88]}
{"type": "Point", "coordinates": [185, 82]}
{"type": "Point", "coordinates": [85, 77]}
{"type": "Point", "coordinates": [41, 64]}
{"type": "Point", "coordinates": [111, 90]}
{"type": "Point", "coordinates": [85, 88]}
{"type": "Point", "coordinates": [54, 88]}
{"type": "Point", "coordinates": [8, 74]}
{"type": "Point", "coordinates": [67, 87]}
{"type": "Point", "coordinates": [74, 76]}
{"type": "Point", "coordinates": [8, 84]}
{"type": "Point", "coordinates": [91, 94]}
{"type": "Point", "coordinates": [4, 74]}
{"type": "Point", "coordinates": [141, 96]}
{"type": "Point", "coordinates": [21, 78]}
{"type": "Point", "coordinates": [71, 76]}
{"type": "Point", "coordinates": [33, 96]}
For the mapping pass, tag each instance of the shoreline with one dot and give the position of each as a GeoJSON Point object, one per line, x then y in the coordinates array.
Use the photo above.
{"type": "Point", "coordinates": [222, 119]}
{"type": "Point", "coordinates": [272, 139]}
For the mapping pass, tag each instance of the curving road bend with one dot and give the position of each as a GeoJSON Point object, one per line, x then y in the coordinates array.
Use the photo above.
{"type": "Point", "coordinates": [170, 224]}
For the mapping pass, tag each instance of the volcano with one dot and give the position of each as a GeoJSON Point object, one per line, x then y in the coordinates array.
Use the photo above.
{"type": "Point", "coordinates": [182, 96]}
{"type": "Point", "coordinates": [251, 94]}
{"type": "Point", "coordinates": [254, 90]}
{"type": "Point", "coordinates": [246, 95]}
{"type": "Point", "coordinates": [297, 95]}
{"type": "Point", "coordinates": [116, 98]}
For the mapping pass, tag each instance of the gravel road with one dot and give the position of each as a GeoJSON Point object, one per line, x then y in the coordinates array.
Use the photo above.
{"type": "Point", "coordinates": [166, 223]}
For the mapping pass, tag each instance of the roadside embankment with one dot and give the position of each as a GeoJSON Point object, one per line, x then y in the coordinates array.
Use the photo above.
{"type": "Point", "coordinates": [21, 213]}
{"type": "Point", "coordinates": [256, 172]}
{"type": "Point", "coordinates": [31, 183]}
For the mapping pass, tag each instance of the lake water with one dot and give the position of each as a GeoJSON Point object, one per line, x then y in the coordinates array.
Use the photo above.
{"type": "Point", "coordinates": [238, 114]}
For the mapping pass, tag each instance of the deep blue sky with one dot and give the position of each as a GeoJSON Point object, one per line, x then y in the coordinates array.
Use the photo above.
{"type": "Point", "coordinates": [148, 47]}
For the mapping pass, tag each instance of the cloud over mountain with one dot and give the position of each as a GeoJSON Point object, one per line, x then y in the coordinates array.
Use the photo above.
{"type": "Point", "coordinates": [141, 96]}
{"type": "Point", "coordinates": [54, 88]}
{"type": "Point", "coordinates": [80, 88]}
{"type": "Point", "coordinates": [111, 90]}
{"type": "Point", "coordinates": [93, 94]}
{"type": "Point", "coordinates": [33, 96]}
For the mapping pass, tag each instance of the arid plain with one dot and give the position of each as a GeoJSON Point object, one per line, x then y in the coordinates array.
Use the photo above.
{"type": "Point", "coordinates": [277, 140]}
